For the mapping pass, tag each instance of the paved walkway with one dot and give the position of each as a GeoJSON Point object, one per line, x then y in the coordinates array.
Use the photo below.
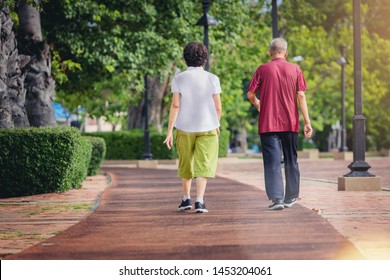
{"type": "Point", "coordinates": [362, 217]}
{"type": "Point", "coordinates": [136, 218]}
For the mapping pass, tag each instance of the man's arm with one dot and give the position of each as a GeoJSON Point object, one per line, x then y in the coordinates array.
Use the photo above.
{"type": "Point", "coordinates": [254, 100]}
{"type": "Point", "coordinates": [173, 112]}
{"type": "Point", "coordinates": [308, 130]}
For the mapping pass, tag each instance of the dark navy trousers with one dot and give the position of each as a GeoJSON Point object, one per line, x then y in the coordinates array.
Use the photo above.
{"type": "Point", "coordinates": [274, 145]}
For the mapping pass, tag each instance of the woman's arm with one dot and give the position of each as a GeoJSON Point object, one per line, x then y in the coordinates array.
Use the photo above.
{"type": "Point", "coordinates": [218, 107]}
{"type": "Point", "coordinates": [173, 112]}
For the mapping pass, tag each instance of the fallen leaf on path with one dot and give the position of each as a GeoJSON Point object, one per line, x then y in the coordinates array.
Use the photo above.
{"type": "Point", "coordinates": [319, 211]}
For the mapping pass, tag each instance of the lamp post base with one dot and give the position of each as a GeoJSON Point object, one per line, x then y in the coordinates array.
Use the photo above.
{"type": "Point", "coordinates": [359, 184]}
{"type": "Point", "coordinates": [343, 149]}
{"type": "Point", "coordinates": [347, 156]}
{"type": "Point", "coordinates": [147, 164]}
{"type": "Point", "coordinates": [147, 156]}
{"type": "Point", "coordinates": [359, 169]}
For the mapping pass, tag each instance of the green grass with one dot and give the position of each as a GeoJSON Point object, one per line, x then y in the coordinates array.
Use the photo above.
{"type": "Point", "coordinates": [82, 207]}
{"type": "Point", "coordinates": [7, 235]}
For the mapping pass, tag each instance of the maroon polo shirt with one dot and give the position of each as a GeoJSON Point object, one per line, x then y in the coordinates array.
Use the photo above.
{"type": "Point", "coordinates": [278, 82]}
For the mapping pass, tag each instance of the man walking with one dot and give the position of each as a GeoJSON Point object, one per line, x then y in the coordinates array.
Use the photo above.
{"type": "Point", "coordinates": [281, 86]}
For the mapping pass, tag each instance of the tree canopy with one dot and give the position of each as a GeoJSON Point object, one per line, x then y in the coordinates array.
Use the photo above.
{"type": "Point", "coordinates": [103, 49]}
{"type": "Point", "coordinates": [113, 44]}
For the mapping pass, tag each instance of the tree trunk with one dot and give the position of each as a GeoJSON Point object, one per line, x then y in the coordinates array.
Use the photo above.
{"type": "Point", "coordinates": [135, 116]}
{"type": "Point", "coordinates": [39, 82]}
{"type": "Point", "coordinates": [243, 138]}
{"type": "Point", "coordinates": [12, 91]}
{"type": "Point", "coordinates": [158, 89]}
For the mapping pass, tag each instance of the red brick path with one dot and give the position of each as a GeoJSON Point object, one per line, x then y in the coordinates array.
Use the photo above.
{"type": "Point", "coordinates": [136, 219]}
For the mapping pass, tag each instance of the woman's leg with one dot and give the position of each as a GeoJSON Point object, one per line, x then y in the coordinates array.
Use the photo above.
{"type": "Point", "coordinates": [186, 183]}
{"type": "Point", "coordinates": [205, 164]}
{"type": "Point", "coordinates": [185, 147]}
{"type": "Point", "coordinates": [201, 183]}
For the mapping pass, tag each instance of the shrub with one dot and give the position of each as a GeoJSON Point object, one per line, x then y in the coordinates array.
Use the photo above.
{"type": "Point", "coordinates": [42, 160]}
{"type": "Point", "coordinates": [98, 154]}
{"type": "Point", "coordinates": [159, 149]}
{"type": "Point", "coordinates": [305, 144]}
{"type": "Point", "coordinates": [79, 165]}
{"type": "Point", "coordinates": [127, 145]}
{"type": "Point", "coordinates": [121, 144]}
{"type": "Point", "coordinates": [224, 143]}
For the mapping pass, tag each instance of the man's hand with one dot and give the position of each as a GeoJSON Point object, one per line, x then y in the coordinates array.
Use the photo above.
{"type": "Point", "coordinates": [257, 105]}
{"type": "Point", "coordinates": [254, 100]}
{"type": "Point", "coordinates": [308, 131]}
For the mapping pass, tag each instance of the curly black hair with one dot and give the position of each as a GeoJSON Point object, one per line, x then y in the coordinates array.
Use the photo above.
{"type": "Point", "coordinates": [195, 54]}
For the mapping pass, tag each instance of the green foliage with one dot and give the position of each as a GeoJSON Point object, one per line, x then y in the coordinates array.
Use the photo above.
{"type": "Point", "coordinates": [7, 3]}
{"type": "Point", "coordinates": [98, 154]}
{"type": "Point", "coordinates": [316, 35]}
{"type": "Point", "coordinates": [159, 150]}
{"type": "Point", "coordinates": [12, 3]}
{"type": "Point", "coordinates": [129, 145]}
{"type": "Point", "coordinates": [60, 67]}
{"type": "Point", "coordinates": [122, 144]}
{"type": "Point", "coordinates": [305, 144]}
{"type": "Point", "coordinates": [42, 160]}
{"type": "Point", "coordinates": [114, 43]}
{"type": "Point", "coordinates": [80, 163]}
{"type": "Point", "coordinates": [331, 13]}
{"type": "Point", "coordinates": [224, 138]}
{"type": "Point", "coordinates": [103, 49]}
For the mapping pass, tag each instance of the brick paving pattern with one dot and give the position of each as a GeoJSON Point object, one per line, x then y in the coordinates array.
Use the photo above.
{"type": "Point", "coordinates": [136, 218]}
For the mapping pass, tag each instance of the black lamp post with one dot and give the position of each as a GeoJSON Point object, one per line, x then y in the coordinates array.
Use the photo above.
{"type": "Point", "coordinates": [275, 32]}
{"type": "Point", "coordinates": [147, 155]}
{"type": "Point", "coordinates": [359, 168]}
{"type": "Point", "coordinates": [206, 20]}
{"type": "Point", "coordinates": [342, 61]}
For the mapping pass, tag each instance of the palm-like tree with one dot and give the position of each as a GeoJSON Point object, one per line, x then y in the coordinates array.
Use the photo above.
{"type": "Point", "coordinates": [39, 82]}
{"type": "Point", "coordinates": [12, 91]}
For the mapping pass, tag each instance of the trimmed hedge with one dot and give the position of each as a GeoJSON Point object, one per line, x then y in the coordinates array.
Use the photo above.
{"type": "Point", "coordinates": [224, 143]}
{"type": "Point", "coordinates": [305, 144]}
{"type": "Point", "coordinates": [129, 145]}
{"type": "Point", "coordinates": [42, 160]}
{"type": "Point", "coordinates": [123, 144]}
{"type": "Point", "coordinates": [98, 154]}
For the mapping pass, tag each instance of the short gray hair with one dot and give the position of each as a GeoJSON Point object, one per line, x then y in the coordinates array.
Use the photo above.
{"type": "Point", "coordinates": [278, 45]}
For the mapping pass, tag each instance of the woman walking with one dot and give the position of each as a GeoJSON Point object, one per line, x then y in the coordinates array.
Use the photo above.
{"type": "Point", "coordinates": [195, 112]}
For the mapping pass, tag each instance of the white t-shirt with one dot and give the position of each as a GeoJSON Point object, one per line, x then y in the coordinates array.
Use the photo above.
{"type": "Point", "coordinates": [197, 110]}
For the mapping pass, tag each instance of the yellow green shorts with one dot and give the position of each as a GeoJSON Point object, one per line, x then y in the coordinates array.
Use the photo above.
{"type": "Point", "coordinates": [198, 153]}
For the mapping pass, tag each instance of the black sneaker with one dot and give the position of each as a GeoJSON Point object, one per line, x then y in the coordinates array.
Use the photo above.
{"type": "Point", "coordinates": [277, 204]}
{"type": "Point", "coordinates": [200, 207]}
{"type": "Point", "coordinates": [289, 202]}
{"type": "Point", "coordinates": [185, 205]}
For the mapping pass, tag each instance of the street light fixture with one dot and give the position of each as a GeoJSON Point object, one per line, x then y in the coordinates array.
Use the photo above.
{"type": "Point", "coordinates": [359, 168]}
{"type": "Point", "coordinates": [342, 62]}
{"type": "Point", "coordinates": [275, 32]}
{"type": "Point", "coordinates": [206, 20]}
{"type": "Point", "coordinates": [147, 155]}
